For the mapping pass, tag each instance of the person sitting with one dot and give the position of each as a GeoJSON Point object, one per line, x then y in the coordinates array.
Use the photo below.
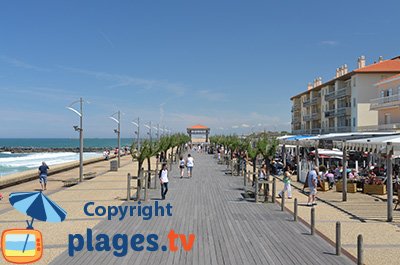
{"type": "Point", "coordinates": [331, 178]}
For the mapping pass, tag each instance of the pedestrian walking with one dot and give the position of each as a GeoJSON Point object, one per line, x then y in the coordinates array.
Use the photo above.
{"type": "Point", "coordinates": [189, 165]}
{"type": "Point", "coordinates": [43, 175]}
{"type": "Point", "coordinates": [181, 165]}
{"type": "Point", "coordinates": [163, 175]}
{"type": "Point", "coordinates": [287, 177]}
{"type": "Point", "coordinates": [312, 184]}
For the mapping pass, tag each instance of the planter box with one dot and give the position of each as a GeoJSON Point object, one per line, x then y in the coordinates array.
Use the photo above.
{"type": "Point", "coordinates": [375, 189]}
{"type": "Point", "coordinates": [325, 186]}
{"type": "Point", "coordinates": [351, 187]}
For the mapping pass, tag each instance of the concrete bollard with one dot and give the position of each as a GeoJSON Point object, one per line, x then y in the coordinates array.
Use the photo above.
{"type": "Point", "coordinates": [273, 188]}
{"type": "Point", "coordinates": [138, 187]}
{"type": "Point", "coordinates": [360, 250]}
{"type": "Point", "coordinates": [283, 201]}
{"type": "Point", "coordinates": [146, 180]}
{"type": "Point", "coordinates": [128, 195]}
{"type": "Point", "coordinates": [312, 221]}
{"type": "Point", "coordinates": [256, 188]}
{"type": "Point", "coordinates": [295, 210]}
{"type": "Point", "coordinates": [338, 239]}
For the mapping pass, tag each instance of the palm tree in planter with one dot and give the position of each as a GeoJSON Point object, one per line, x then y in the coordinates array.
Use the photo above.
{"type": "Point", "coordinates": [267, 148]}
{"type": "Point", "coordinates": [252, 152]}
{"type": "Point", "coordinates": [140, 155]}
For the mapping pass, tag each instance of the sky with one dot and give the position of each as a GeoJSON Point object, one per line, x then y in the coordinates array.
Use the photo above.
{"type": "Point", "coordinates": [229, 65]}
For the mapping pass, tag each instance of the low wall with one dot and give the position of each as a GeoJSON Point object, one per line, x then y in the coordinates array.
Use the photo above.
{"type": "Point", "coordinates": [17, 178]}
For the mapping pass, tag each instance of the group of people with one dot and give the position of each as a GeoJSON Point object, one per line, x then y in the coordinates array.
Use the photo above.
{"type": "Point", "coordinates": [163, 174]}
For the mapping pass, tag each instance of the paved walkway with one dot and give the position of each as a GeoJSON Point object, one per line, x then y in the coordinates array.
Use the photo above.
{"type": "Point", "coordinates": [361, 214]}
{"type": "Point", "coordinates": [108, 188]}
{"type": "Point", "coordinates": [228, 229]}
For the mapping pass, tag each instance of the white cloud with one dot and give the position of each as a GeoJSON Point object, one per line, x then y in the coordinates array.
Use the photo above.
{"type": "Point", "coordinates": [245, 125]}
{"type": "Point", "coordinates": [21, 64]}
{"type": "Point", "coordinates": [329, 42]}
{"type": "Point", "coordinates": [106, 38]}
{"type": "Point", "coordinates": [211, 95]}
{"type": "Point", "coordinates": [125, 81]}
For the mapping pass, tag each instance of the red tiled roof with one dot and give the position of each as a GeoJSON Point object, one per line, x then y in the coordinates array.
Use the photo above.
{"type": "Point", "coordinates": [389, 79]}
{"type": "Point", "coordinates": [198, 126]}
{"type": "Point", "coordinates": [387, 66]}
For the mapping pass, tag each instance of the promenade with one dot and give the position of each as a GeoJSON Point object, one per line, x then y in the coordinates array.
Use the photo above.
{"type": "Point", "coordinates": [107, 188]}
{"type": "Point", "coordinates": [228, 229]}
{"type": "Point", "coordinates": [361, 214]}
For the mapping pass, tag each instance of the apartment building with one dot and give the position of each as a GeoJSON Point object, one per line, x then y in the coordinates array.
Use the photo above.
{"type": "Point", "coordinates": [343, 103]}
{"type": "Point", "coordinates": [387, 105]}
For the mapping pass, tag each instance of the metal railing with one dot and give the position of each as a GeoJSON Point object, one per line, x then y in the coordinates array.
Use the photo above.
{"type": "Point", "coordinates": [344, 111]}
{"type": "Point", "coordinates": [381, 127]}
{"type": "Point", "coordinates": [346, 91]}
{"type": "Point", "coordinates": [384, 102]}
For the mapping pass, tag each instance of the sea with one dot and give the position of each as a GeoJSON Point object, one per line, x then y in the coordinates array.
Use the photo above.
{"type": "Point", "coordinates": [18, 162]}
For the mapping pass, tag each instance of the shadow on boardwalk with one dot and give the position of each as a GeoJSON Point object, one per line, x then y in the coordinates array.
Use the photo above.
{"type": "Point", "coordinates": [228, 229]}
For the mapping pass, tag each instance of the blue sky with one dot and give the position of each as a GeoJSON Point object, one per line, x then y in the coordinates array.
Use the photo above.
{"type": "Point", "coordinates": [224, 64]}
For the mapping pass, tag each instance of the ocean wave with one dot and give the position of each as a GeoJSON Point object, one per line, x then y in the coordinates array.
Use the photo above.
{"type": "Point", "coordinates": [34, 160]}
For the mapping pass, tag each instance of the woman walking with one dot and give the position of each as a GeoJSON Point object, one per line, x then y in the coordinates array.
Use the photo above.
{"type": "Point", "coordinates": [163, 175]}
{"type": "Point", "coordinates": [181, 165]}
{"type": "Point", "coordinates": [286, 180]}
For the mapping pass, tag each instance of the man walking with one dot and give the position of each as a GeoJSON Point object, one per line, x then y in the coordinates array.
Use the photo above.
{"type": "Point", "coordinates": [312, 184]}
{"type": "Point", "coordinates": [43, 175]}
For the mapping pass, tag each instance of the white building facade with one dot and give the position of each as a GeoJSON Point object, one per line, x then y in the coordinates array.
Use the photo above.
{"type": "Point", "coordinates": [343, 103]}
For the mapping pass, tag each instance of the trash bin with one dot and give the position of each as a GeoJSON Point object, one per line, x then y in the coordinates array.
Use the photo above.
{"type": "Point", "coordinates": [114, 165]}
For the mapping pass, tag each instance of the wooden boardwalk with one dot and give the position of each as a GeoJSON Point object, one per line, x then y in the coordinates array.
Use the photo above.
{"type": "Point", "coordinates": [228, 229]}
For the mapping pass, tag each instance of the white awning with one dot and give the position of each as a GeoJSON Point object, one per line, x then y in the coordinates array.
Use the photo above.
{"type": "Point", "coordinates": [375, 144]}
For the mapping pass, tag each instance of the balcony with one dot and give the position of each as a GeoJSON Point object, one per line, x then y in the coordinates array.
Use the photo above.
{"type": "Point", "coordinates": [296, 119]}
{"type": "Point", "coordinates": [307, 117]}
{"type": "Point", "coordinates": [395, 127]}
{"type": "Point", "coordinates": [343, 111]}
{"type": "Point", "coordinates": [316, 116]}
{"type": "Point", "coordinates": [315, 100]}
{"type": "Point", "coordinates": [316, 131]}
{"type": "Point", "coordinates": [343, 92]}
{"type": "Point", "coordinates": [306, 102]}
{"type": "Point", "coordinates": [343, 129]}
{"type": "Point", "coordinates": [385, 102]}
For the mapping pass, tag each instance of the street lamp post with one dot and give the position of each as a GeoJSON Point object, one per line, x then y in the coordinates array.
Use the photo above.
{"type": "Point", "coordinates": [118, 132]}
{"type": "Point", "coordinates": [149, 132]}
{"type": "Point", "coordinates": [80, 130]}
{"type": "Point", "coordinates": [137, 132]}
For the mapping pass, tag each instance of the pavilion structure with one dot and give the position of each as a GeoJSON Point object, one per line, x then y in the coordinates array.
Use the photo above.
{"type": "Point", "coordinates": [198, 129]}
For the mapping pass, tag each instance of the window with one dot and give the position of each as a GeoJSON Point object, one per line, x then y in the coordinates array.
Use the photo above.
{"type": "Point", "coordinates": [354, 81]}
{"type": "Point", "coordinates": [354, 122]}
{"type": "Point", "coordinates": [382, 93]}
{"type": "Point", "coordinates": [354, 102]}
{"type": "Point", "coordinates": [387, 118]}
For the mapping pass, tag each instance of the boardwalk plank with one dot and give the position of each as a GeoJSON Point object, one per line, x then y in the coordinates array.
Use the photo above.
{"type": "Point", "coordinates": [228, 229]}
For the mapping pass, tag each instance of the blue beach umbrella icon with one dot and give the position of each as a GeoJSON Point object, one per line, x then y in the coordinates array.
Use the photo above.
{"type": "Point", "coordinates": [37, 206]}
